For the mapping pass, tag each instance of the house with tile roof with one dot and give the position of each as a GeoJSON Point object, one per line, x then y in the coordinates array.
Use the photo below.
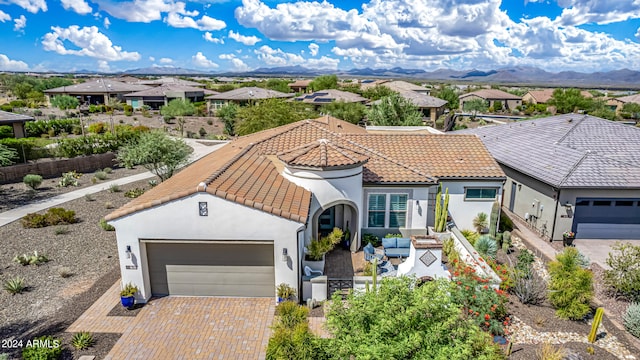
{"type": "Point", "coordinates": [543, 96]}
{"type": "Point", "coordinates": [236, 222]}
{"type": "Point", "coordinates": [491, 97]}
{"type": "Point", "coordinates": [570, 172]}
{"type": "Point", "coordinates": [159, 96]}
{"type": "Point", "coordinates": [323, 97]}
{"type": "Point", "coordinates": [242, 96]}
{"type": "Point", "coordinates": [95, 91]}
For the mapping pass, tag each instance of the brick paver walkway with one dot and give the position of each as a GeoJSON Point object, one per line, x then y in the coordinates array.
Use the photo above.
{"type": "Point", "coordinates": [184, 327]}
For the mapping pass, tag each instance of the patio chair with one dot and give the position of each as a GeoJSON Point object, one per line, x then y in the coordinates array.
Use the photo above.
{"type": "Point", "coordinates": [370, 253]}
{"type": "Point", "coordinates": [312, 273]}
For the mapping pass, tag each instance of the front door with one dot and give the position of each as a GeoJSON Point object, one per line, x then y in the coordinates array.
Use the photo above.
{"type": "Point", "coordinates": [326, 222]}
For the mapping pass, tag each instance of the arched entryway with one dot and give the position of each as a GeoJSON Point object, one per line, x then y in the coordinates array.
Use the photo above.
{"type": "Point", "coordinates": [342, 214]}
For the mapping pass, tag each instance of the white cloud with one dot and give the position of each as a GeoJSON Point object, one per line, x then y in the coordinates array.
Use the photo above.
{"type": "Point", "coordinates": [103, 66]}
{"type": "Point", "coordinates": [201, 61]}
{"type": "Point", "coordinates": [151, 58]}
{"type": "Point", "coordinates": [313, 49]}
{"type": "Point", "coordinates": [91, 42]}
{"type": "Point", "coordinates": [323, 63]}
{"type": "Point", "coordinates": [226, 56]}
{"type": "Point", "coordinates": [4, 16]}
{"type": "Point", "coordinates": [107, 23]}
{"type": "Point", "coordinates": [638, 34]}
{"type": "Point", "coordinates": [578, 12]}
{"type": "Point", "coordinates": [79, 6]}
{"type": "Point", "coordinates": [19, 23]}
{"type": "Point", "coordinates": [209, 37]}
{"type": "Point", "coordinates": [236, 64]}
{"type": "Point", "coordinates": [166, 61]}
{"type": "Point", "coordinates": [247, 40]}
{"type": "Point", "coordinates": [143, 10]}
{"type": "Point", "coordinates": [277, 57]}
{"type": "Point", "coordinates": [32, 6]}
{"type": "Point", "coordinates": [7, 64]}
{"type": "Point", "coordinates": [204, 23]}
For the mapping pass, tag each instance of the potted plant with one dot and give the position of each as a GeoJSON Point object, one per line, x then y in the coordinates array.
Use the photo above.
{"type": "Point", "coordinates": [127, 295]}
{"type": "Point", "coordinates": [439, 228]}
{"type": "Point", "coordinates": [568, 237]}
{"type": "Point", "coordinates": [314, 254]}
{"type": "Point", "coordinates": [284, 292]}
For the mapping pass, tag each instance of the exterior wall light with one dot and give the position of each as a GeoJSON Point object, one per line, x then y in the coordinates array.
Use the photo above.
{"type": "Point", "coordinates": [203, 208]}
{"type": "Point", "coordinates": [285, 255]}
{"type": "Point", "coordinates": [128, 252]}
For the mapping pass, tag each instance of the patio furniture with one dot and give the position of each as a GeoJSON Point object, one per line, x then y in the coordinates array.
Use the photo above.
{"type": "Point", "coordinates": [370, 253]}
{"type": "Point", "coordinates": [396, 247]}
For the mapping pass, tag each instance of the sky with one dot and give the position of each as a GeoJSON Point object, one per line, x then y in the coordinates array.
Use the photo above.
{"type": "Point", "coordinates": [242, 35]}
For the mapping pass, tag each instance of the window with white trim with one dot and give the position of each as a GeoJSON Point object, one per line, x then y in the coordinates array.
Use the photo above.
{"type": "Point", "coordinates": [387, 210]}
{"type": "Point", "coordinates": [480, 193]}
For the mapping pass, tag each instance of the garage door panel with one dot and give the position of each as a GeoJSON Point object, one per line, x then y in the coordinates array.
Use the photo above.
{"type": "Point", "coordinates": [211, 269]}
{"type": "Point", "coordinates": [607, 218]}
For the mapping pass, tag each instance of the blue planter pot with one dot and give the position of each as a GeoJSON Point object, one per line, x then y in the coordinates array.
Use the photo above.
{"type": "Point", "coordinates": [127, 301]}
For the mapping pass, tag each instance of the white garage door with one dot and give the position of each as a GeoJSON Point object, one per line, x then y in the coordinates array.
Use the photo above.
{"type": "Point", "coordinates": [607, 218]}
{"type": "Point", "coordinates": [206, 269]}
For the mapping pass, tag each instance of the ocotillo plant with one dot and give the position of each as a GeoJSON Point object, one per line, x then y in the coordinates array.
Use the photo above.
{"type": "Point", "coordinates": [493, 225]}
{"type": "Point", "coordinates": [442, 210]}
{"type": "Point", "coordinates": [597, 319]}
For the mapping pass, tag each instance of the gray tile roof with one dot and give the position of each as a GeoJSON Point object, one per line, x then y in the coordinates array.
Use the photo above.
{"type": "Point", "coordinates": [169, 81]}
{"type": "Point", "coordinates": [491, 94]}
{"type": "Point", "coordinates": [422, 100]}
{"type": "Point", "coordinates": [162, 90]}
{"type": "Point", "coordinates": [568, 151]}
{"type": "Point", "coordinates": [100, 86]}
{"type": "Point", "coordinates": [249, 93]}
{"type": "Point", "coordinates": [10, 118]}
{"type": "Point", "coordinates": [329, 95]}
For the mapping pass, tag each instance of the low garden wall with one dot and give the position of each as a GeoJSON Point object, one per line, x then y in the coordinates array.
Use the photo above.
{"type": "Point", "coordinates": [469, 255]}
{"type": "Point", "coordinates": [53, 168]}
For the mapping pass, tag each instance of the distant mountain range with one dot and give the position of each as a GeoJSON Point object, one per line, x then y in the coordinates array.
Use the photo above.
{"type": "Point", "coordinates": [521, 75]}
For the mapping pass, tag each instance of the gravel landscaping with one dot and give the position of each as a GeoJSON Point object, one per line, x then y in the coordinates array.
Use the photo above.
{"type": "Point", "coordinates": [83, 250]}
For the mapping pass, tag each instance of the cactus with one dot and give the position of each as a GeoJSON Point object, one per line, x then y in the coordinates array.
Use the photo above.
{"type": "Point", "coordinates": [597, 319]}
{"type": "Point", "coordinates": [506, 241]}
{"type": "Point", "coordinates": [495, 217]}
{"type": "Point", "coordinates": [442, 210]}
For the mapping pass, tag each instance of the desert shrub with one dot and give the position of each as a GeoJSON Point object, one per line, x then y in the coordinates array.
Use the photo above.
{"type": "Point", "coordinates": [89, 197]}
{"type": "Point", "coordinates": [549, 352]}
{"type": "Point", "coordinates": [69, 179]}
{"type": "Point", "coordinates": [114, 188]}
{"type": "Point", "coordinates": [33, 220]}
{"type": "Point", "coordinates": [623, 277]}
{"type": "Point", "coordinates": [108, 170]}
{"type": "Point", "coordinates": [571, 286]}
{"type": "Point", "coordinates": [82, 340]}
{"type": "Point", "coordinates": [631, 319]}
{"type": "Point", "coordinates": [486, 246]}
{"type": "Point", "coordinates": [35, 259]}
{"type": "Point", "coordinates": [61, 230]}
{"type": "Point", "coordinates": [470, 235]}
{"type": "Point", "coordinates": [370, 238]}
{"type": "Point", "coordinates": [64, 272]}
{"type": "Point", "coordinates": [15, 286]}
{"type": "Point", "coordinates": [57, 216]}
{"type": "Point", "coordinates": [32, 180]}
{"type": "Point", "coordinates": [106, 226]}
{"type": "Point", "coordinates": [529, 288]}
{"type": "Point", "coordinates": [100, 175]}
{"type": "Point", "coordinates": [134, 193]}
{"type": "Point", "coordinates": [524, 262]}
{"type": "Point", "coordinates": [97, 128]}
{"type": "Point", "coordinates": [43, 348]}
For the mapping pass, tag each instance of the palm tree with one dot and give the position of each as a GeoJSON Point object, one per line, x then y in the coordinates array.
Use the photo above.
{"type": "Point", "coordinates": [480, 222]}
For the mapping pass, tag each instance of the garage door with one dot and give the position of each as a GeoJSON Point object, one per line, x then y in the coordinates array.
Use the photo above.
{"type": "Point", "coordinates": [198, 269]}
{"type": "Point", "coordinates": [607, 218]}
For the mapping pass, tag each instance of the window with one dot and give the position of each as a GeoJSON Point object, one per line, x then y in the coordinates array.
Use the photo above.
{"type": "Point", "coordinates": [601, 203]}
{"type": "Point", "coordinates": [480, 193]}
{"type": "Point", "coordinates": [377, 207]}
{"type": "Point", "coordinates": [397, 210]}
{"type": "Point", "coordinates": [624, 203]}
{"type": "Point", "coordinates": [387, 210]}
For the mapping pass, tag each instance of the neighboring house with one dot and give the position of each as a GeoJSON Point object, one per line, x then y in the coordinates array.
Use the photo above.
{"type": "Point", "coordinates": [236, 222]}
{"type": "Point", "coordinates": [242, 96]}
{"type": "Point", "coordinates": [16, 121]}
{"type": "Point", "coordinates": [95, 91]}
{"type": "Point", "coordinates": [491, 97]}
{"type": "Point", "coordinates": [570, 172]}
{"type": "Point", "coordinates": [169, 81]}
{"type": "Point", "coordinates": [630, 99]}
{"type": "Point", "coordinates": [322, 97]}
{"type": "Point", "coordinates": [430, 107]}
{"type": "Point", "coordinates": [159, 96]}
{"type": "Point", "coordinates": [403, 86]}
{"type": "Point", "coordinates": [300, 86]}
{"type": "Point", "coordinates": [543, 96]}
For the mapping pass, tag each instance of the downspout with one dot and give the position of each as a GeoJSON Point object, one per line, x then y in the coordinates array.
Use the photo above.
{"type": "Point", "coordinates": [555, 216]}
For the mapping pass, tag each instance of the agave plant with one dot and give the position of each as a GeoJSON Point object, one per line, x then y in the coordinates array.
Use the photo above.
{"type": "Point", "coordinates": [486, 246]}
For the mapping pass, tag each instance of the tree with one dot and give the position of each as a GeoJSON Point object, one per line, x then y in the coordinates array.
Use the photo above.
{"type": "Point", "coordinates": [351, 112]}
{"type": "Point", "coordinates": [324, 82]}
{"type": "Point", "coordinates": [278, 85]}
{"type": "Point", "coordinates": [7, 155]}
{"type": "Point", "coordinates": [178, 108]}
{"type": "Point", "coordinates": [228, 114]}
{"type": "Point", "coordinates": [599, 108]}
{"type": "Point", "coordinates": [394, 110]}
{"type": "Point", "coordinates": [157, 152]}
{"type": "Point", "coordinates": [22, 89]}
{"type": "Point", "coordinates": [65, 102]}
{"type": "Point", "coordinates": [377, 92]}
{"type": "Point", "coordinates": [401, 320]}
{"type": "Point", "coordinates": [270, 113]}
{"type": "Point", "coordinates": [568, 100]}
{"type": "Point", "coordinates": [449, 94]}
{"type": "Point", "coordinates": [631, 110]}
{"type": "Point", "coordinates": [475, 106]}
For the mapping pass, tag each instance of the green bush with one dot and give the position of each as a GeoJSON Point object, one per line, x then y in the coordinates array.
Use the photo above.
{"type": "Point", "coordinates": [291, 337]}
{"type": "Point", "coordinates": [486, 246]}
{"type": "Point", "coordinates": [35, 259]}
{"type": "Point", "coordinates": [32, 180]}
{"type": "Point", "coordinates": [372, 239]}
{"type": "Point", "coordinates": [108, 170]}
{"type": "Point", "coordinates": [69, 179]}
{"type": "Point", "coordinates": [114, 188]}
{"type": "Point", "coordinates": [26, 148]}
{"type": "Point", "coordinates": [106, 226]}
{"type": "Point", "coordinates": [40, 127]}
{"type": "Point", "coordinates": [100, 175]}
{"type": "Point", "coordinates": [134, 193]}
{"type": "Point", "coordinates": [631, 319]}
{"type": "Point", "coordinates": [571, 286]}
{"type": "Point", "coordinates": [43, 348]}
{"type": "Point", "coordinates": [53, 216]}
{"type": "Point", "coordinates": [6, 132]}
{"type": "Point", "coordinates": [97, 128]}
{"type": "Point", "coordinates": [15, 286]}
{"type": "Point", "coordinates": [82, 340]}
{"type": "Point", "coordinates": [470, 235]}
{"type": "Point", "coordinates": [623, 277]}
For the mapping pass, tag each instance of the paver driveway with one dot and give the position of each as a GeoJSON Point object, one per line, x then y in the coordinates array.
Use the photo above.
{"type": "Point", "coordinates": [198, 328]}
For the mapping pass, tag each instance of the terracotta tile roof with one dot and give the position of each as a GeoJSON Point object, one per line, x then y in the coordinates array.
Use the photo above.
{"type": "Point", "coordinates": [543, 96]}
{"type": "Point", "coordinates": [247, 171]}
{"type": "Point", "coordinates": [492, 94]}
{"type": "Point", "coordinates": [322, 154]}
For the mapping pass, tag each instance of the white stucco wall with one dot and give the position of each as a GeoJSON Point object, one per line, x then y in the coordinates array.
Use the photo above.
{"type": "Point", "coordinates": [227, 221]}
{"type": "Point", "coordinates": [463, 211]}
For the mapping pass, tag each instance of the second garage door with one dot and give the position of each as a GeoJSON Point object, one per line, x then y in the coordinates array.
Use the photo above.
{"type": "Point", "coordinates": [211, 269]}
{"type": "Point", "coordinates": [607, 218]}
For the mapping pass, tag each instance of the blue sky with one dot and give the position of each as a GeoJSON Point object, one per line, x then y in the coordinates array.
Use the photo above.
{"type": "Point", "coordinates": [240, 35]}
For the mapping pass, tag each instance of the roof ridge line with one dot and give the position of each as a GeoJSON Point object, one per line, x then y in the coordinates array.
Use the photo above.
{"type": "Point", "coordinates": [339, 149]}
{"type": "Point", "coordinates": [228, 164]}
{"type": "Point", "coordinates": [575, 166]}
{"type": "Point", "coordinates": [578, 122]}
